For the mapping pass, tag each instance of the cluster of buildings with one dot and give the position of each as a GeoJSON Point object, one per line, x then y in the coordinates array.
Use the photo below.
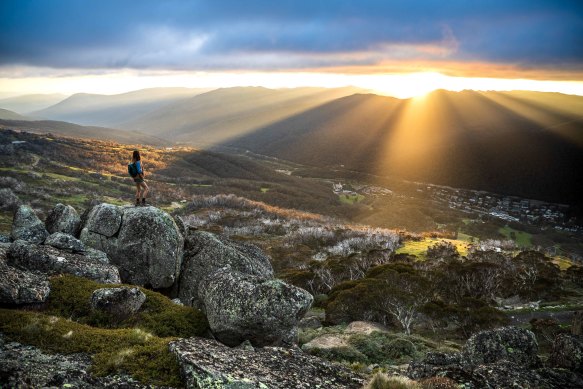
{"type": "Point", "coordinates": [508, 208]}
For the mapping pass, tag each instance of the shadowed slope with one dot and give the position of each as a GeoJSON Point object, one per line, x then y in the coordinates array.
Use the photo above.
{"type": "Point", "coordinates": [490, 141]}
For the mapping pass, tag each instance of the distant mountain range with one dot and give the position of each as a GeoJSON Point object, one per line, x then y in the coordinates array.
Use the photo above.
{"type": "Point", "coordinates": [77, 131]}
{"type": "Point", "coordinates": [26, 104]}
{"type": "Point", "coordinates": [113, 110]}
{"type": "Point", "coordinates": [523, 143]}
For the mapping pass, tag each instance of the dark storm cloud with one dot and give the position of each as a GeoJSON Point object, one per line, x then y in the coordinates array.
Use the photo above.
{"type": "Point", "coordinates": [254, 34]}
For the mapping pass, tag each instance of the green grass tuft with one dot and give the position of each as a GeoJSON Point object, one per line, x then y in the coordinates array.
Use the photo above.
{"type": "Point", "coordinates": [144, 356]}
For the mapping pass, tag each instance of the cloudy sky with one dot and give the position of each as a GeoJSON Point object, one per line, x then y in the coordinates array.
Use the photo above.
{"type": "Point", "coordinates": [116, 44]}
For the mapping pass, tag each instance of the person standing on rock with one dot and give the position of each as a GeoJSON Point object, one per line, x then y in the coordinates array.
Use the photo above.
{"type": "Point", "coordinates": [136, 170]}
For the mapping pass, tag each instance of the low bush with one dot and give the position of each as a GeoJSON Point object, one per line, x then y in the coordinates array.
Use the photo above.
{"type": "Point", "coordinates": [385, 348]}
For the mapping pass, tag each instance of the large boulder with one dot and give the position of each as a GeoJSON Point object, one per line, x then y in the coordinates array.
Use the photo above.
{"type": "Point", "coordinates": [27, 226]}
{"type": "Point", "coordinates": [19, 286]}
{"type": "Point", "coordinates": [512, 344]}
{"type": "Point", "coordinates": [104, 219]}
{"type": "Point", "coordinates": [205, 253]}
{"type": "Point", "coordinates": [63, 218]}
{"type": "Point", "coordinates": [64, 241]}
{"type": "Point", "coordinates": [49, 260]}
{"type": "Point", "coordinates": [207, 364]}
{"type": "Point", "coordinates": [144, 242]}
{"type": "Point", "coordinates": [243, 307]}
{"type": "Point", "coordinates": [121, 302]}
{"type": "Point", "coordinates": [567, 352]}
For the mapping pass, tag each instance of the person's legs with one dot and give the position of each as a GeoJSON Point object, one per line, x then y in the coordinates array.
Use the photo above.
{"type": "Point", "coordinates": [145, 191]}
{"type": "Point", "coordinates": [138, 193]}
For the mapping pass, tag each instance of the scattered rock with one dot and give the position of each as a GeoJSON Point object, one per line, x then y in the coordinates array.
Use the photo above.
{"type": "Point", "coordinates": [28, 367]}
{"type": "Point", "coordinates": [311, 322]}
{"type": "Point", "coordinates": [51, 261]}
{"type": "Point", "coordinates": [484, 364]}
{"type": "Point", "coordinates": [177, 301]}
{"type": "Point", "coordinates": [144, 242]}
{"type": "Point", "coordinates": [120, 302]}
{"type": "Point", "coordinates": [4, 239]}
{"type": "Point", "coordinates": [19, 286]}
{"type": "Point", "coordinates": [64, 241]}
{"type": "Point", "coordinates": [205, 253]}
{"type": "Point", "coordinates": [567, 352]}
{"type": "Point", "coordinates": [208, 364]}
{"type": "Point", "coordinates": [27, 226]}
{"type": "Point", "coordinates": [247, 307]}
{"type": "Point", "coordinates": [8, 200]}
{"type": "Point", "coordinates": [327, 341]}
{"type": "Point", "coordinates": [365, 327]}
{"type": "Point", "coordinates": [512, 344]}
{"type": "Point", "coordinates": [63, 218]}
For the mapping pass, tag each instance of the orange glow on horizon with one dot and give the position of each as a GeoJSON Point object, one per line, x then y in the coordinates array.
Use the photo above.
{"type": "Point", "coordinates": [396, 84]}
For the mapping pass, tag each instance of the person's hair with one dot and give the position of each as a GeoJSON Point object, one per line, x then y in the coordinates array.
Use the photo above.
{"type": "Point", "coordinates": [136, 156]}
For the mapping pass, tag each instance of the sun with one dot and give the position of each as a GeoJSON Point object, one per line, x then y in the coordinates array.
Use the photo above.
{"type": "Point", "coordinates": [407, 85]}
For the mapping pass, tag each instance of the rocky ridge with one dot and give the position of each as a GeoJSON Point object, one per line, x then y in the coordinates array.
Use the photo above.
{"type": "Point", "coordinates": [144, 246]}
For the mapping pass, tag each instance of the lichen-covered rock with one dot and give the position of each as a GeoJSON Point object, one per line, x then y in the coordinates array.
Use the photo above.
{"type": "Point", "coordinates": [206, 253]}
{"type": "Point", "coordinates": [206, 364]}
{"type": "Point", "coordinates": [482, 364]}
{"type": "Point", "coordinates": [19, 286]}
{"type": "Point", "coordinates": [63, 218]}
{"type": "Point", "coordinates": [50, 260]}
{"type": "Point", "coordinates": [567, 352]}
{"type": "Point", "coordinates": [120, 302]}
{"type": "Point", "coordinates": [146, 244]}
{"type": "Point", "coordinates": [247, 307]}
{"type": "Point", "coordinates": [64, 241]}
{"type": "Point", "coordinates": [28, 367]}
{"type": "Point", "coordinates": [512, 344]}
{"type": "Point", "coordinates": [27, 226]}
{"type": "Point", "coordinates": [95, 255]}
{"type": "Point", "coordinates": [311, 322]}
{"type": "Point", "coordinates": [104, 219]}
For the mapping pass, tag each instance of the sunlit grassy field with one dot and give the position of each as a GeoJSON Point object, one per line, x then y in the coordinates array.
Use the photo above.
{"type": "Point", "coordinates": [419, 248]}
{"type": "Point", "coordinates": [350, 199]}
{"type": "Point", "coordinates": [522, 239]}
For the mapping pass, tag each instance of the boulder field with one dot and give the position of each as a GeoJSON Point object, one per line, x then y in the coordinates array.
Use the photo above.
{"type": "Point", "coordinates": [231, 282]}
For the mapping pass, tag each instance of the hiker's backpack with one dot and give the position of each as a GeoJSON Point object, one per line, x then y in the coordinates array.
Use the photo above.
{"type": "Point", "coordinates": [132, 169]}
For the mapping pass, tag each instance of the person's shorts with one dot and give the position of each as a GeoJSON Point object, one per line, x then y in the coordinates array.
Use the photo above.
{"type": "Point", "coordinates": [138, 180]}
